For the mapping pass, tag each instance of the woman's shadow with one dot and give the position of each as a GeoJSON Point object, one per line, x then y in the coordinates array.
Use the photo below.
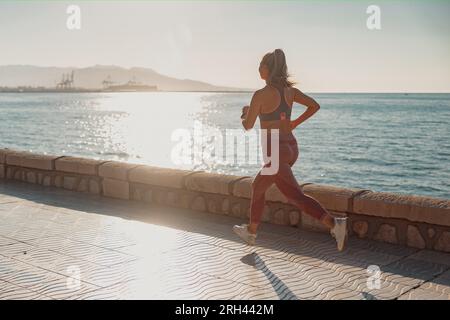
{"type": "Point", "coordinates": [283, 292]}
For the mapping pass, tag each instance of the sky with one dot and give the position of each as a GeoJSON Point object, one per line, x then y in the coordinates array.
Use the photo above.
{"type": "Point", "coordinates": [327, 43]}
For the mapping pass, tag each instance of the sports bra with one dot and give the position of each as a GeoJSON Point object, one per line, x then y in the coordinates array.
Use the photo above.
{"type": "Point", "coordinates": [282, 112]}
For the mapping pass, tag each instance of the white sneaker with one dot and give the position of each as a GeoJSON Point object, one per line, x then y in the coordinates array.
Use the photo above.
{"type": "Point", "coordinates": [339, 232]}
{"type": "Point", "coordinates": [242, 232]}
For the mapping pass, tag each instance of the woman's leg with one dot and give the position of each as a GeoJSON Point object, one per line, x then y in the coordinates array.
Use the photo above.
{"type": "Point", "coordinates": [288, 185]}
{"type": "Point", "coordinates": [260, 184]}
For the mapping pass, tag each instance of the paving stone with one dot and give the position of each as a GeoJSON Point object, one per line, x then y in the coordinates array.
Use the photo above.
{"type": "Point", "coordinates": [10, 291]}
{"type": "Point", "coordinates": [432, 256]}
{"type": "Point", "coordinates": [6, 241]}
{"type": "Point", "coordinates": [413, 271]}
{"type": "Point", "coordinates": [425, 294]}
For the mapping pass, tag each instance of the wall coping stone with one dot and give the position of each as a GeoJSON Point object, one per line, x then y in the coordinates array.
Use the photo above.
{"type": "Point", "coordinates": [159, 176]}
{"type": "Point", "coordinates": [78, 165]}
{"type": "Point", "coordinates": [116, 169]}
{"type": "Point", "coordinates": [30, 160]}
{"type": "Point", "coordinates": [211, 182]}
{"type": "Point", "coordinates": [410, 207]}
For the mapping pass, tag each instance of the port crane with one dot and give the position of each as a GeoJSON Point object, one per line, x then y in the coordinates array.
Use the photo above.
{"type": "Point", "coordinates": [66, 81]}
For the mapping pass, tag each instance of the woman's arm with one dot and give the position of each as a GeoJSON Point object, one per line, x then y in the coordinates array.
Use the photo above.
{"type": "Point", "coordinates": [252, 113]}
{"type": "Point", "coordinates": [310, 103]}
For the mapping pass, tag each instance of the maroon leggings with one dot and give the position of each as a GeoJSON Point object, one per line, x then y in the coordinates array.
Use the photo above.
{"type": "Point", "coordinates": [285, 181]}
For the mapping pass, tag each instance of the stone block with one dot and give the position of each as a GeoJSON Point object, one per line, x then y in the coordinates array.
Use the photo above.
{"type": "Point", "coordinates": [360, 228]}
{"type": "Point", "coordinates": [164, 177]}
{"type": "Point", "coordinates": [116, 188]}
{"type": "Point", "coordinates": [115, 169]}
{"type": "Point", "coordinates": [408, 207]}
{"type": "Point", "coordinates": [70, 183]}
{"type": "Point", "coordinates": [294, 218]}
{"type": "Point", "coordinates": [443, 242]}
{"type": "Point", "coordinates": [199, 204]}
{"type": "Point", "coordinates": [211, 182]}
{"type": "Point", "coordinates": [332, 197]}
{"type": "Point", "coordinates": [386, 233]}
{"type": "Point", "coordinates": [78, 165]}
{"type": "Point", "coordinates": [310, 223]}
{"type": "Point", "coordinates": [414, 238]}
{"type": "Point", "coordinates": [31, 160]}
{"type": "Point", "coordinates": [94, 186]}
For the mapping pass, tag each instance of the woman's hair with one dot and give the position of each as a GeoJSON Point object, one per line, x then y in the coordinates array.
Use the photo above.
{"type": "Point", "coordinates": [276, 62]}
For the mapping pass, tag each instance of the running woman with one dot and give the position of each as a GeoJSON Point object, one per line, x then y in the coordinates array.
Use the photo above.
{"type": "Point", "coordinates": [273, 105]}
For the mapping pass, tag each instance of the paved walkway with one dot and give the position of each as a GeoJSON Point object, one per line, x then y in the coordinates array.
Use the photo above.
{"type": "Point", "coordinates": [58, 244]}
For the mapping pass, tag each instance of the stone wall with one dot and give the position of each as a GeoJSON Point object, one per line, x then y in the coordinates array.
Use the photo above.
{"type": "Point", "coordinates": [416, 221]}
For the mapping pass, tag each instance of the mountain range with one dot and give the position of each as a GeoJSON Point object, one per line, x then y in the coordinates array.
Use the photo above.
{"type": "Point", "coordinates": [93, 77]}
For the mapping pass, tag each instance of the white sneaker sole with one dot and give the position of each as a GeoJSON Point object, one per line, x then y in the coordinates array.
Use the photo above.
{"type": "Point", "coordinates": [249, 240]}
{"type": "Point", "coordinates": [344, 243]}
{"type": "Point", "coordinates": [341, 246]}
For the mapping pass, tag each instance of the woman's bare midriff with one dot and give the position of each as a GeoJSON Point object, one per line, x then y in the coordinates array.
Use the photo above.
{"type": "Point", "coordinates": [283, 125]}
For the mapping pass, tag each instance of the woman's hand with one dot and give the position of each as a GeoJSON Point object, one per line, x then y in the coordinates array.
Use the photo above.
{"type": "Point", "coordinates": [244, 112]}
